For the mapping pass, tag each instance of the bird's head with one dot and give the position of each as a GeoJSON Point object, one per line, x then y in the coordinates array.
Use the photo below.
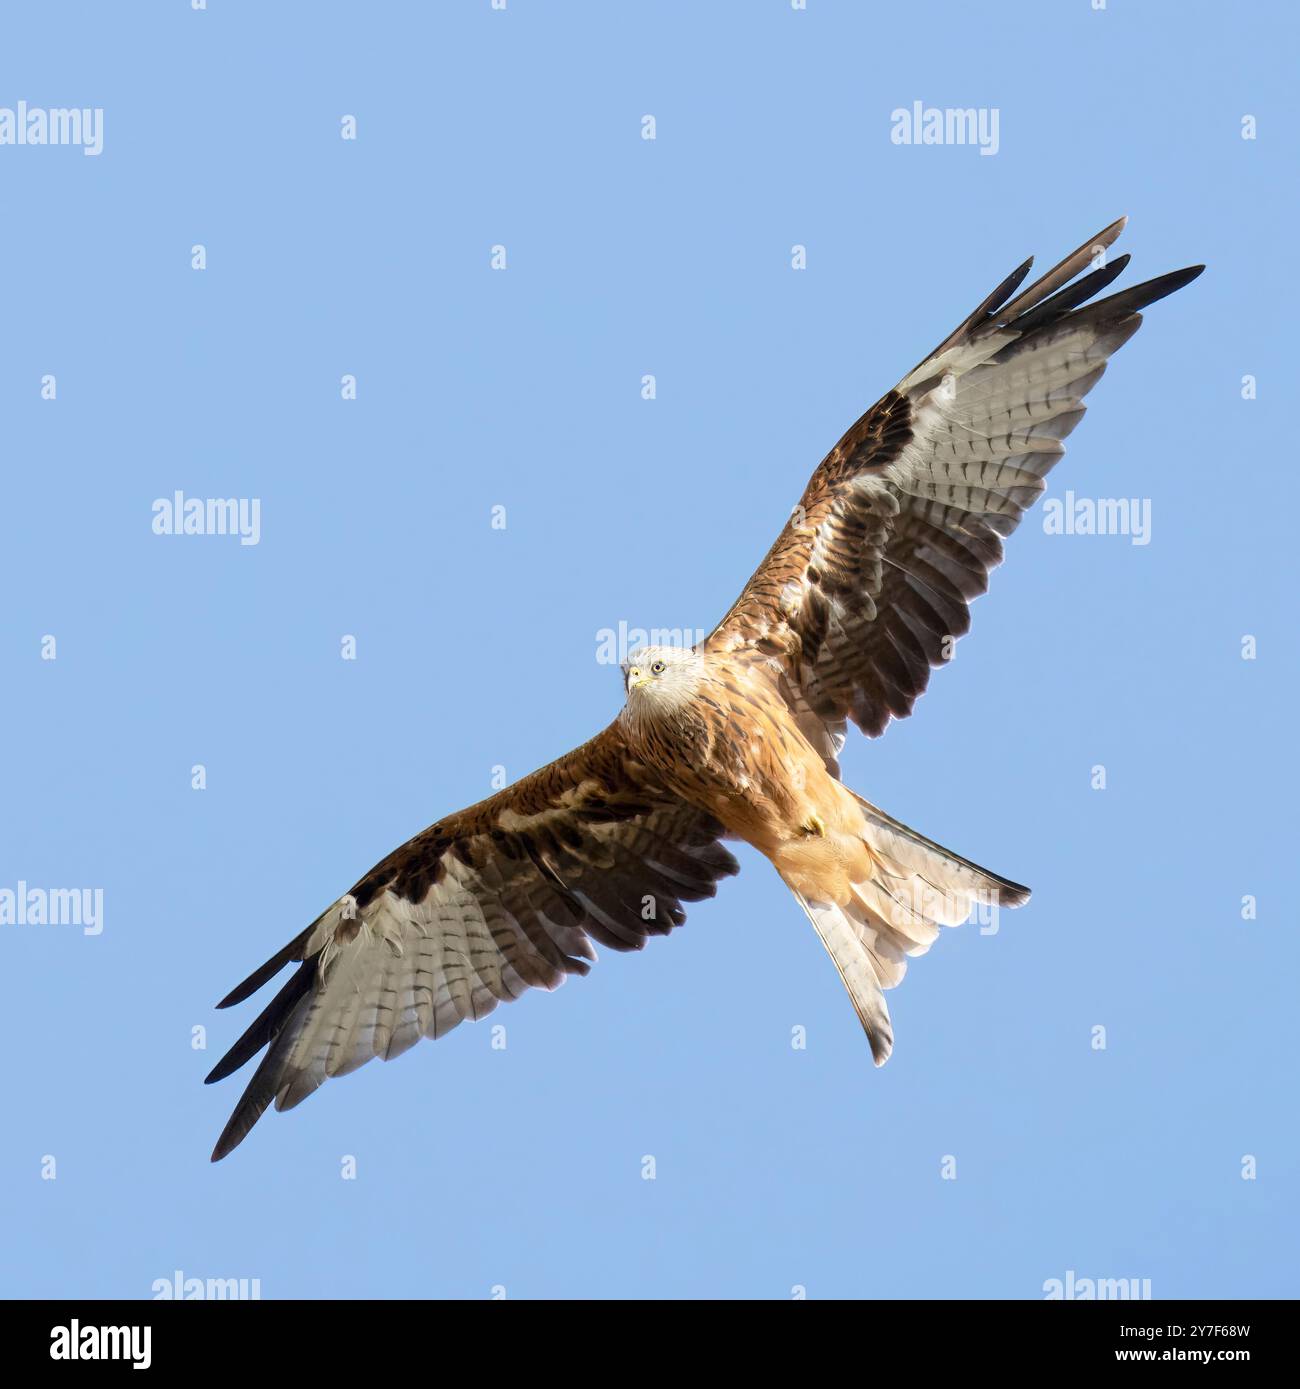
{"type": "Point", "coordinates": [661, 679]}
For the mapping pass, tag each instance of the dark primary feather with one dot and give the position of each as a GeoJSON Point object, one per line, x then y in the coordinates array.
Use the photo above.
{"type": "Point", "coordinates": [292, 951]}
{"type": "Point", "coordinates": [870, 582]}
{"type": "Point", "coordinates": [267, 1023]}
{"type": "Point", "coordinates": [1059, 304]}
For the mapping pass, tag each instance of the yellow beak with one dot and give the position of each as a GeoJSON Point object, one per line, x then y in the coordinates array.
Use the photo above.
{"type": "Point", "coordinates": [636, 677]}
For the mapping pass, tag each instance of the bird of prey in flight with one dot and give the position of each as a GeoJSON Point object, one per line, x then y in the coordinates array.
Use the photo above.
{"type": "Point", "coordinates": [863, 592]}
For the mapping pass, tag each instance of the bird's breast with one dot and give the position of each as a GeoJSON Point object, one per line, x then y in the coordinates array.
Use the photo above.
{"type": "Point", "coordinates": [738, 754]}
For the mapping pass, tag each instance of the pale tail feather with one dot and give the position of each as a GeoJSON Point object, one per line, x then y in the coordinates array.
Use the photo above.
{"type": "Point", "coordinates": [839, 934]}
{"type": "Point", "coordinates": [910, 855]}
{"type": "Point", "coordinates": [918, 887]}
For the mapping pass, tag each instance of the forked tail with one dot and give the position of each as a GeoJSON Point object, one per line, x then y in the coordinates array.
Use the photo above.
{"type": "Point", "coordinates": [916, 887]}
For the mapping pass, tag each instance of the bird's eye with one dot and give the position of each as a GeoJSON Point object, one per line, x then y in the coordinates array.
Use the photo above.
{"type": "Point", "coordinates": [657, 668]}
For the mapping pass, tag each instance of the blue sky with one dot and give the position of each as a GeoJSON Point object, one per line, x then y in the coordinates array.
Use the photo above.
{"type": "Point", "coordinates": [521, 1169]}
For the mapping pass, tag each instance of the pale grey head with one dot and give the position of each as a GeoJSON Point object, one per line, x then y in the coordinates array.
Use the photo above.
{"type": "Point", "coordinates": [661, 680]}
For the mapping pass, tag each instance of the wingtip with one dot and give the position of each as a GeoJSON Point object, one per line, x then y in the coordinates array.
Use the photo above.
{"type": "Point", "coordinates": [1108, 236]}
{"type": "Point", "coordinates": [1113, 232]}
{"type": "Point", "coordinates": [237, 1129]}
{"type": "Point", "coordinates": [1176, 279]}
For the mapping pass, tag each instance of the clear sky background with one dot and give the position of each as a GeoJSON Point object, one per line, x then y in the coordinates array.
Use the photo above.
{"type": "Point", "coordinates": [521, 1168]}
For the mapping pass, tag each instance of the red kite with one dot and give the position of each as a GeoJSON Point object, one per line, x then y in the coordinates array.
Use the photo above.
{"type": "Point", "coordinates": [865, 590]}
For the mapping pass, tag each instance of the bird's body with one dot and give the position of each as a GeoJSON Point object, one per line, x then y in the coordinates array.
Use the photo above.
{"type": "Point", "coordinates": [734, 750]}
{"type": "Point", "coordinates": [865, 590]}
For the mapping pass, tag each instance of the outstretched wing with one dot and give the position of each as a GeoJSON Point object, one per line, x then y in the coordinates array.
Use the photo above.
{"type": "Point", "coordinates": [870, 581]}
{"type": "Point", "coordinates": [504, 896]}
